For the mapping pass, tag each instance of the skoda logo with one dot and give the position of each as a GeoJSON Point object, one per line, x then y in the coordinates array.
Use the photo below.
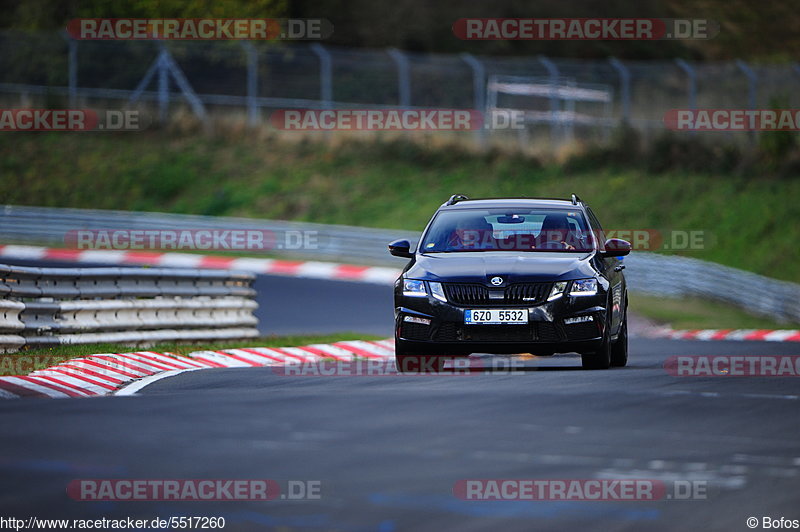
{"type": "Point", "coordinates": [496, 281]}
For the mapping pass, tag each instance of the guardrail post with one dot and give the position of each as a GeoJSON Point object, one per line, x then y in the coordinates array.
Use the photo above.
{"type": "Point", "coordinates": [752, 81]}
{"type": "Point", "coordinates": [478, 95]}
{"type": "Point", "coordinates": [252, 83]}
{"type": "Point", "coordinates": [625, 86]}
{"type": "Point", "coordinates": [403, 77]}
{"type": "Point", "coordinates": [555, 122]}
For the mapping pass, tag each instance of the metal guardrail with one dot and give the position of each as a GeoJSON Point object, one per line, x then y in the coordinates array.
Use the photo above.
{"type": "Point", "coordinates": [681, 276]}
{"type": "Point", "coordinates": [49, 226]}
{"type": "Point", "coordinates": [52, 306]}
{"type": "Point", "coordinates": [647, 272]}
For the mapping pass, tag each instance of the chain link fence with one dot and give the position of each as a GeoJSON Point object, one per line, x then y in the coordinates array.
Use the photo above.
{"type": "Point", "coordinates": [254, 78]}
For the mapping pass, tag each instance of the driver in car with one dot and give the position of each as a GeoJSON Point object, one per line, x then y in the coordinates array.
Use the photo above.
{"type": "Point", "coordinates": [460, 236]}
{"type": "Point", "coordinates": [555, 233]}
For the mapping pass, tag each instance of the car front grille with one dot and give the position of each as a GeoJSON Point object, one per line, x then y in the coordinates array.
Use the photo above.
{"type": "Point", "coordinates": [466, 294]}
{"type": "Point", "coordinates": [518, 294]}
{"type": "Point", "coordinates": [498, 333]}
{"type": "Point", "coordinates": [527, 293]}
{"type": "Point", "coordinates": [454, 332]}
{"type": "Point", "coordinates": [533, 332]}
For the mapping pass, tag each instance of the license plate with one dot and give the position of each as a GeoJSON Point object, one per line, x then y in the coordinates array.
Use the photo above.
{"type": "Point", "coordinates": [495, 316]}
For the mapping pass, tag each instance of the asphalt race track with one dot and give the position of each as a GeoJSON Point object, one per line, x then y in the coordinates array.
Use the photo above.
{"type": "Point", "coordinates": [388, 450]}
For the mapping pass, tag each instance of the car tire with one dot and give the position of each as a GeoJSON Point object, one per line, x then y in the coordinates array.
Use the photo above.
{"type": "Point", "coordinates": [619, 351]}
{"type": "Point", "coordinates": [600, 359]}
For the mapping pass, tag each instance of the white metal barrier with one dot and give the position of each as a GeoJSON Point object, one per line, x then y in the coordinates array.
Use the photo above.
{"type": "Point", "coordinates": [52, 306]}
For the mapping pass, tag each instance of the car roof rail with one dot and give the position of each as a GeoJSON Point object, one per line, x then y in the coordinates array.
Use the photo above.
{"type": "Point", "coordinates": [576, 199]}
{"type": "Point", "coordinates": [455, 198]}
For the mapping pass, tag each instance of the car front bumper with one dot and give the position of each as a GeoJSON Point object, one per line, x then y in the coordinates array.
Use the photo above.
{"type": "Point", "coordinates": [546, 332]}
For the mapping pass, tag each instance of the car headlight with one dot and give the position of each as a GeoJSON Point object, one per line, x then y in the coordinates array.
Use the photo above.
{"type": "Point", "coordinates": [557, 291]}
{"type": "Point", "coordinates": [584, 287]}
{"type": "Point", "coordinates": [437, 291]}
{"type": "Point", "coordinates": [414, 288]}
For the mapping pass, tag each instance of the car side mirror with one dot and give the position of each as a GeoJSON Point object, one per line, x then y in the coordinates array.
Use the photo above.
{"type": "Point", "coordinates": [401, 248]}
{"type": "Point", "coordinates": [616, 247]}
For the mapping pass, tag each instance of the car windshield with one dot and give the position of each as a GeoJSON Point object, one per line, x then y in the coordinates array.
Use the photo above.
{"type": "Point", "coordinates": [507, 229]}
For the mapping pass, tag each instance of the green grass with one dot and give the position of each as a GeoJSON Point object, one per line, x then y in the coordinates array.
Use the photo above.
{"type": "Point", "coordinates": [43, 357]}
{"type": "Point", "coordinates": [752, 219]}
{"type": "Point", "coordinates": [695, 313]}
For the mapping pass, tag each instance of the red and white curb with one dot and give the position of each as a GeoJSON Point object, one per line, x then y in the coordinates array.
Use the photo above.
{"type": "Point", "coordinates": [126, 373]}
{"type": "Point", "coordinates": [307, 269]}
{"type": "Point", "coordinates": [757, 335]}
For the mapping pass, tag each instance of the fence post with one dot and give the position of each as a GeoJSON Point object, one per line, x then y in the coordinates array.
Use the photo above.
{"type": "Point", "coordinates": [555, 122]}
{"type": "Point", "coordinates": [625, 85]}
{"type": "Point", "coordinates": [692, 75]}
{"type": "Point", "coordinates": [252, 83]}
{"type": "Point", "coordinates": [163, 85]}
{"type": "Point", "coordinates": [403, 77]}
{"type": "Point", "coordinates": [164, 65]}
{"type": "Point", "coordinates": [752, 81]}
{"type": "Point", "coordinates": [325, 74]}
{"type": "Point", "coordinates": [170, 66]}
{"type": "Point", "coordinates": [72, 69]}
{"type": "Point", "coordinates": [478, 94]}
{"type": "Point", "coordinates": [686, 67]}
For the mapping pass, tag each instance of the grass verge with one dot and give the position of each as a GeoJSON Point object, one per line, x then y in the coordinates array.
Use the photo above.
{"type": "Point", "coordinates": [695, 313]}
{"type": "Point", "coordinates": [396, 184]}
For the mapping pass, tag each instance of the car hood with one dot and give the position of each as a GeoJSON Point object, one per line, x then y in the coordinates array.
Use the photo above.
{"type": "Point", "coordinates": [512, 267]}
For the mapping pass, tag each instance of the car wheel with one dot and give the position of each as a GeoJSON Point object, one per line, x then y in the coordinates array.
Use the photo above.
{"type": "Point", "coordinates": [619, 351]}
{"type": "Point", "coordinates": [600, 359]}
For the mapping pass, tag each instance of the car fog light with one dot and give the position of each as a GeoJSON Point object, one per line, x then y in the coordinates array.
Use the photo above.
{"type": "Point", "coordinates": [414, 319]}
{"type": "Point", "coordinates": [579, 319]}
